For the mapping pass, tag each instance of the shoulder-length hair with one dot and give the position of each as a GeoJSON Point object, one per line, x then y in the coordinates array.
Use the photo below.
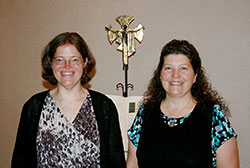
{"type": "Point", "coordinates": [62, 39]}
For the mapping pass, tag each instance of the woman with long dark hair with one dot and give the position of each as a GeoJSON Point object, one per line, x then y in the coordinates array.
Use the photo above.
{"type": "Point", "coordinates": [182, 122]}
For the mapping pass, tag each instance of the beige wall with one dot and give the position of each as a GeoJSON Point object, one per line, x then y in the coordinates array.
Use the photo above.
{"type": "Point", "coordinates": [220, 29]}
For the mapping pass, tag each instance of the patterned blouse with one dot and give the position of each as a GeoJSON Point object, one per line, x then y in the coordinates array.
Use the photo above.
{"type": "Point", "coordinates": [221, 130]}
{"type": "Point", "coordinates": [61, 143]}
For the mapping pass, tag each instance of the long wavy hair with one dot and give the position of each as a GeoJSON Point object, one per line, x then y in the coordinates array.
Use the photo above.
{"type": "Point", "coordinates": [62, 39]}
{"type": "Point", "coordinates": [201, 90]}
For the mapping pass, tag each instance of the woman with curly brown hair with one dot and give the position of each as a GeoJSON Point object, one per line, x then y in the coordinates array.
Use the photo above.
{"type": "Point", "coordinates": [182, 121]}
{"type": "Point", "coordinates": [70, 125]}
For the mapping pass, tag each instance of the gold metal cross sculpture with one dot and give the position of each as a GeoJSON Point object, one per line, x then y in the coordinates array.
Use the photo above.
{"type": "Point", "coordinates": [125, 36]}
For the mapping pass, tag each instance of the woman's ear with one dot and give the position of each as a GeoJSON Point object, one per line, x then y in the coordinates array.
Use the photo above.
{"type": "Point", "coordinates": [50, 62]}
{"type": "Point", "coordinates": [195, 78]}
{"type": "Point", "coordinates": [86, 61]}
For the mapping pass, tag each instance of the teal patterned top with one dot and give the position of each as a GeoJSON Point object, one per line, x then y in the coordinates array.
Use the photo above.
{"type": "Point", "coordinates": [221, 129]}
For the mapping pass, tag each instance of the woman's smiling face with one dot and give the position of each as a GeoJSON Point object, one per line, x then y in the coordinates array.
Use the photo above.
{"type": "Point", "coordinates": [177, 75]}
{"type": "Point", "coordinates": [68, 66]}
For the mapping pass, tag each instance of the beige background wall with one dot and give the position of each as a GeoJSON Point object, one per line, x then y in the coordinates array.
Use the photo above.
{"type": "Point", "coordinates": [220, 29]}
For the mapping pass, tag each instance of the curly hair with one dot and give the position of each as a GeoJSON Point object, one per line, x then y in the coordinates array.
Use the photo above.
{"type": "Point", "coordinates": [201, 90]}
{"type": "Point", "coordinates": [62, 39]}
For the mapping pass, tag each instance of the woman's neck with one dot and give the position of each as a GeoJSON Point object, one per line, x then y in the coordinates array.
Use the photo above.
{"type": "Point", "coordinates": [69, 100]}
{"type": "Point", "coordinates": [62, 94]}
{"type": "Point", "coordinates": [173, 102]}
{"type": "Point", "coordinates": [178, 107]}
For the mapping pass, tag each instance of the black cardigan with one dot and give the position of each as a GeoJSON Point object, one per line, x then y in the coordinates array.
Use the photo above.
{"type": "Point", "coordinates": [111, 147]}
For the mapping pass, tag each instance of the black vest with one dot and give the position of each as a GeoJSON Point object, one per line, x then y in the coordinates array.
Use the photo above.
{"type": "Point", "coordinates": [187, 145]}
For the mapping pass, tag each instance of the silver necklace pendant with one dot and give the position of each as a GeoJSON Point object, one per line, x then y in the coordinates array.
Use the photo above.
{"type": "Point", "coordinates": [171, 123]}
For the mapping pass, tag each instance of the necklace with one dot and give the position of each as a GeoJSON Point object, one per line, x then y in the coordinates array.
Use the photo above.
{"type": "Point", "coordinates": [176, 121]}
{"type": "Point", "coordinates": [171, 123]}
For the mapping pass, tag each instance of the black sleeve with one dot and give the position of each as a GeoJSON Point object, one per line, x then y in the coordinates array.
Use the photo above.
{"type": "Point", "coordinates": [23, 154]}
{"type": "Point", "coordinates": [116, 150]}
{"type": "Point", "coordinates": [111, 146]}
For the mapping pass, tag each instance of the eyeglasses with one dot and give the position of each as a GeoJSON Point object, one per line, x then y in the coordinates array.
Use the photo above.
{"type": "Point", "coordinates": [74, 61]}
